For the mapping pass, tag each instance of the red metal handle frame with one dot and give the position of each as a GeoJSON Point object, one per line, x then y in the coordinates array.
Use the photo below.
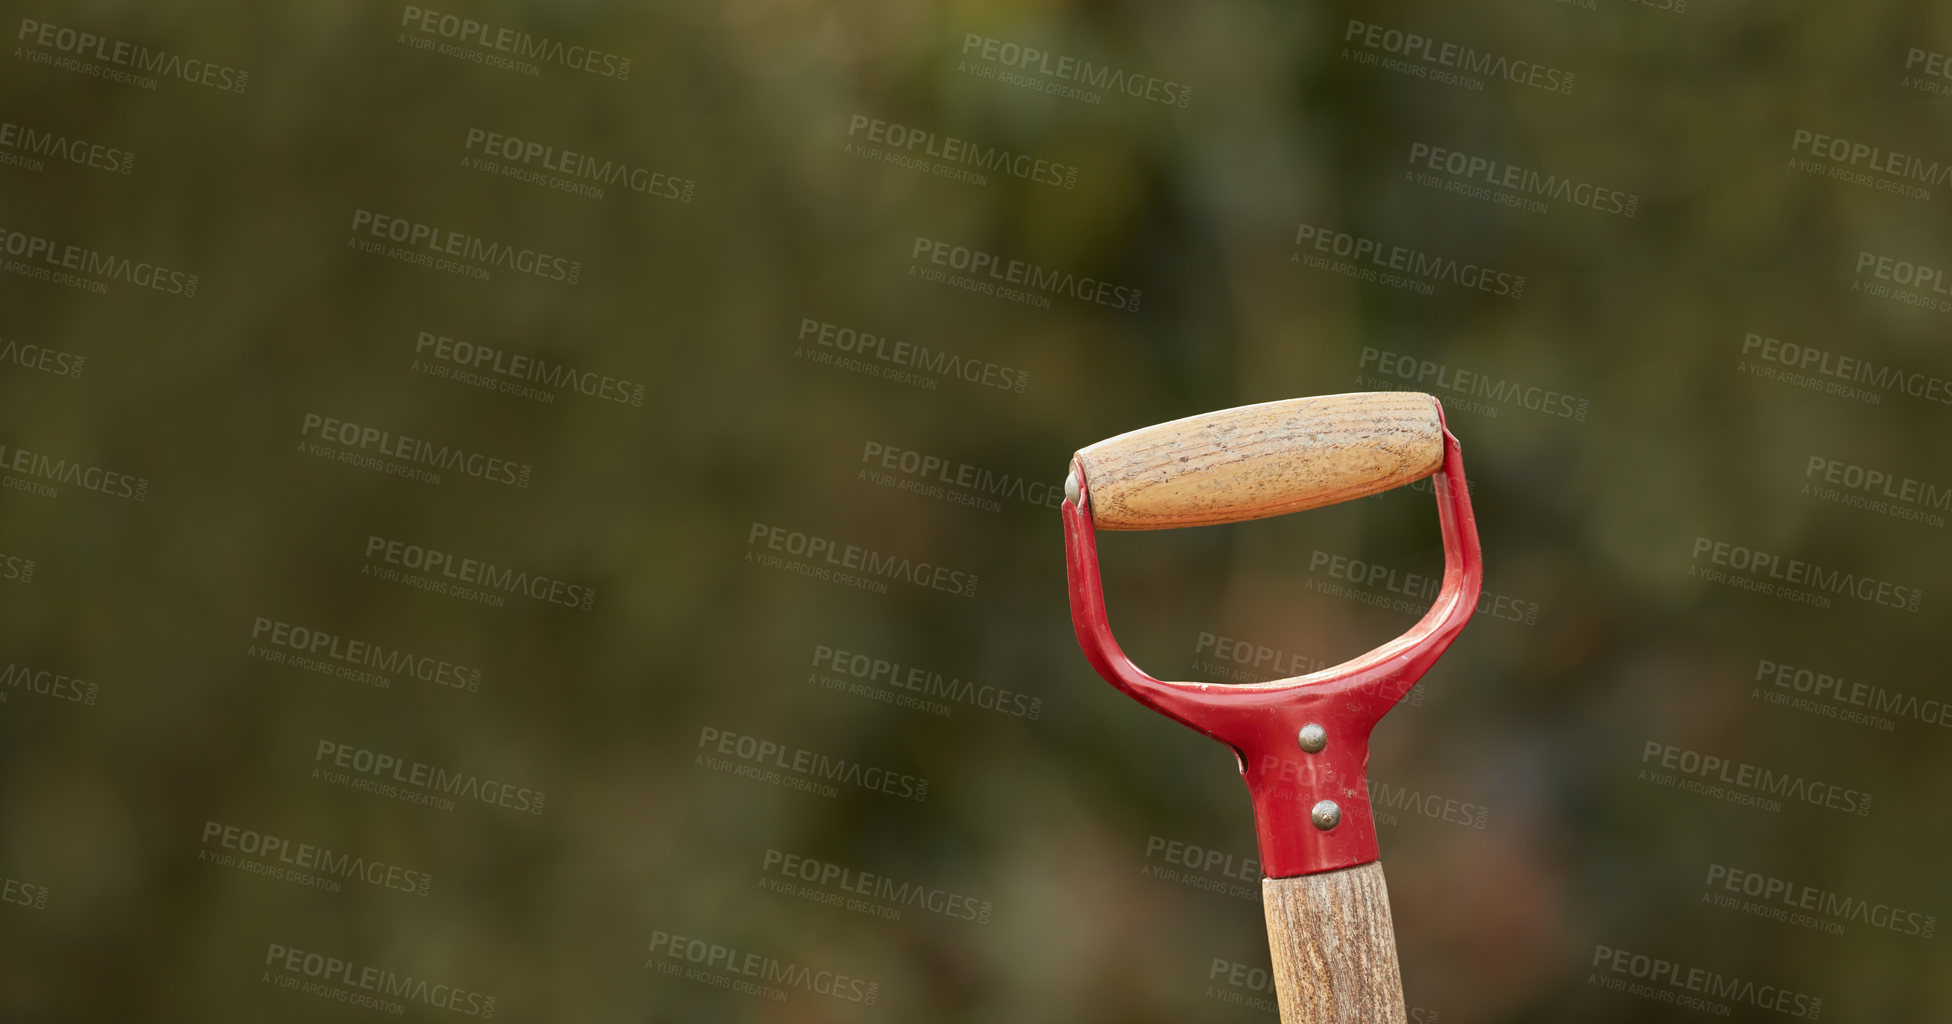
{"type": "Point", "coordinates": [1261, 721]}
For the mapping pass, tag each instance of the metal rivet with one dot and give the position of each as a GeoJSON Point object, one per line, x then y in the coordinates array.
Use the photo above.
{"type": "Point", "coordinates": [1071, 487]}
{"type": "Point", "coordinates": [1313, 737]}
{"type": "Point", "coordinates": [1326, 815]}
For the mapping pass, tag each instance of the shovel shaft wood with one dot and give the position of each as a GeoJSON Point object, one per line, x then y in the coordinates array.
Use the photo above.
{"type": "Point", "coordinates": [1262, 460]}
{"type": "Point", "coordinates": [1334, 947]}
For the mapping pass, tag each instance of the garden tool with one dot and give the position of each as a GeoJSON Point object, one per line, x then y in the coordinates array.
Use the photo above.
{"type": "Point", "coordinates": [1302, 742]}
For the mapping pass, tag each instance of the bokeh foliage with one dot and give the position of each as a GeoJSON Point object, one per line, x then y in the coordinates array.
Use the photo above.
{"type": "Point", "coordinates": [1593, 520]}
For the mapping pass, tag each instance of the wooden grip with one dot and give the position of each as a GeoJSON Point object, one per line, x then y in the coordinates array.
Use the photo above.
{"type": "Point", "coordinates": [1262, 460]}
{"type": "Point", "coordinates": [1334, 947]}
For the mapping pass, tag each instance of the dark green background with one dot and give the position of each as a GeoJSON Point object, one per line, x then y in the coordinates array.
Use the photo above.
{"type": "Point", "coordinates": [1048, 820]}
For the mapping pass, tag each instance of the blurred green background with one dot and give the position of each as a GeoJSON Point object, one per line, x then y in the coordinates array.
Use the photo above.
{"type": "Point", "coordinates": [1067, 834]}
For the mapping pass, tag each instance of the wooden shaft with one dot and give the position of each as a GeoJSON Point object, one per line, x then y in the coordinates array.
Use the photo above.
{"type": "Point", "coordinates": [1262, 460]}
{"type": "Point", "coordinates": [1334, 947]}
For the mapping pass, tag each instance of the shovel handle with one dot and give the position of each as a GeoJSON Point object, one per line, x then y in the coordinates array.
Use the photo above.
{"type": "Point", "coordinates": [1262, 460]}
{"type": "Point", "coordinates": [1334, 947]}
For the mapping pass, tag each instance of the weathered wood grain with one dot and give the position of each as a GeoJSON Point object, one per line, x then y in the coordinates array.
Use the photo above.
{"type": "Point", "coordinates": [1262, 460]}
{"type": "Point", "coordinates": [1334, 947]}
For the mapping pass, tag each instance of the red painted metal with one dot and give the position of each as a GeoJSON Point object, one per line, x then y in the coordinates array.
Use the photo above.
{"type": "Point", "coordinates": [1261, 721]}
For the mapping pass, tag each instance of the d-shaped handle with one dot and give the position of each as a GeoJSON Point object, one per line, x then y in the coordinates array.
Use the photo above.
{"type": "Point", "coordinates": [1303, 743]}
{"type": "Point", "coordinates": [1262, 721]}
{"type": "Point", "coordinates": [1262, 460]}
